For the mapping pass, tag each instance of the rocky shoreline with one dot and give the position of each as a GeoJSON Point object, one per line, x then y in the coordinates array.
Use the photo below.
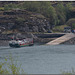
{"type": "Point", "coordinates": [5, 38]}
{"type": "Point", "coordinates": [39, 40]}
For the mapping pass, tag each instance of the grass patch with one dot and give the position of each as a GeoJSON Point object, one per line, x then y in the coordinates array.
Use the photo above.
{"type": "Point", "coordinates": [1, 8]}
{"type": "Point", "coordinates": [59, 28]}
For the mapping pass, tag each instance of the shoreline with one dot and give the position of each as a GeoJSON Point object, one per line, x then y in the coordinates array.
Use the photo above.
{"type": "Point", "coordinates": [37, 40]}
{"type": "Point", "coordinates": [5, 38]}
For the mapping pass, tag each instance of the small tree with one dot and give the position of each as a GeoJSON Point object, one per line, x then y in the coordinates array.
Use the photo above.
{"type": "Point", "coordinates": [61, 13]}
{"type": "Point", "coordinates": [68, 9]}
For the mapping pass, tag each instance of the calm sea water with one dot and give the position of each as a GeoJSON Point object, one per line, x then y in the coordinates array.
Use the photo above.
{"type": "Point", "coordinates": [42, 59]}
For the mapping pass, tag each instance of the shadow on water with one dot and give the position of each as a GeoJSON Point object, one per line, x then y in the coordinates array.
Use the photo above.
{"type": "Point", "coordinates": [37, 44]}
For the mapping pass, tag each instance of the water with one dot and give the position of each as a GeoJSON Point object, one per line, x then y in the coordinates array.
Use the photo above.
{"type": "Point", "coordinates": [42, 59]}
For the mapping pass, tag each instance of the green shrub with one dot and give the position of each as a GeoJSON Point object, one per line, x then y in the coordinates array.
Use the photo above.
{"type": "Point", "coordinates": [1, 8]}
{"type": "Point", "coordinates": [12, 68]}
{"type": "Point", "coordinates": [71, 23]}
{"type": "Point", "coordinates": [59, 28]}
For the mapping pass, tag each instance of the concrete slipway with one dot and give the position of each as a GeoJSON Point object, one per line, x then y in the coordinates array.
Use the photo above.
{"type": "Point", "coordinates": [61, 39]}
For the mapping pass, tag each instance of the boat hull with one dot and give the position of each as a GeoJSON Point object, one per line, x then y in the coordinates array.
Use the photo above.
{"type": "Point", "coordinates": [14, 45]}
{"type": "Point", "coordinates": [17, 45]}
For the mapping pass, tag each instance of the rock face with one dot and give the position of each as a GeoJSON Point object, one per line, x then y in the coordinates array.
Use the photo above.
{"type": "Point", "coordinates": [23, 20]}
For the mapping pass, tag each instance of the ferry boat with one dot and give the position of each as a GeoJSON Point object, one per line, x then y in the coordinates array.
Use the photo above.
{"type": "Point", "coordinates": [21, 42]}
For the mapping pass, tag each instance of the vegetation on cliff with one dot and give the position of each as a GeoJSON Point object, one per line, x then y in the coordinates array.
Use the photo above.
{"type": "Point", "coordinates": [56, 13]}
{"type": "Point", "coordinates": [61, 9]}
{"type": "Point", "coordinates": [71, 23]}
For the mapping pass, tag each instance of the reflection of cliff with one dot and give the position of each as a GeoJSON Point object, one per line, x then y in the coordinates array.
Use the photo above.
{"type": "Point", "coordinates": [23, 20]}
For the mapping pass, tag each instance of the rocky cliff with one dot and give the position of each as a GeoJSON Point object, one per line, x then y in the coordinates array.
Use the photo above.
{"type": "Point", "coordinates": [23, 21]}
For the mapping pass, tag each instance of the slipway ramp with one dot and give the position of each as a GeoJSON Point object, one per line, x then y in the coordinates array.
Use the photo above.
{"type": "Point", "coordinates": [61, 39]}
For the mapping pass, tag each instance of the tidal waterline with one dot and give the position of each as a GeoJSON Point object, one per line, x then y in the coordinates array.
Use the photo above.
{"type": "Point", "coordinates": [42, 59]}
